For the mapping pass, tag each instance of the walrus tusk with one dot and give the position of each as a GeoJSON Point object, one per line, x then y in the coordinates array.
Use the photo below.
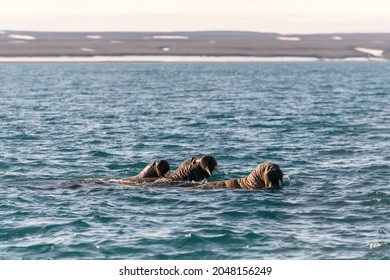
{"type": "Point", "coordinates": [217, 170]}
{"type": "Point", "coordinates": [280, 183]}
{"type": "Point", "coordinates": [208, 170]}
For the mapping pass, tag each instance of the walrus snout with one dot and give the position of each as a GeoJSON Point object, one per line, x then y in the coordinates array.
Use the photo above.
{"type": "Point", "coordinates": [162, 167]}
{"type": "Point", "coordinates": [273, 177]}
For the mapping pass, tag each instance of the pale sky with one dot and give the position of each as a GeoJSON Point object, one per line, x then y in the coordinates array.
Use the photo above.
{"type": "Point", "coordinates": [282, 16]}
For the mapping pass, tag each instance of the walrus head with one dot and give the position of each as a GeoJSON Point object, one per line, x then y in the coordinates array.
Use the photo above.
{"type": "Point", "coordinates": [208, 164]}
{"type": "Point", "coordinates": [155, 169]}
{"type": "Point", "coordinates": [196, 169]}
{"type": "Point", "coordinates": [269, 174]}
{"type": "Point", "coordinates": [266, 175]}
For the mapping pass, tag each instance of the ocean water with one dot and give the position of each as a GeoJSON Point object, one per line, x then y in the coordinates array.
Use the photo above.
{"type": "Point", "coordinates": [326, 124]}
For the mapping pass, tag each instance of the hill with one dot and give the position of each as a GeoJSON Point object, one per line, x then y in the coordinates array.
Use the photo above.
{"type": "Point", "coordinates": [206, 43]}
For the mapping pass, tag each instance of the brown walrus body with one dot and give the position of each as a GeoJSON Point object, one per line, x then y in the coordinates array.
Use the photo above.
{"type": "Point", "coordinates": [194, 169]}
{"type": "Point", "coordinates": [156, 169]}
{"type": "Point", "coordinates": [265, 176]}
{"type": "Point", "coordinates": [153, 171]}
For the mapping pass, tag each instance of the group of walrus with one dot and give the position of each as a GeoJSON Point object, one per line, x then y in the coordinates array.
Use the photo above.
{"type": "Point", "coordinates": [195, 171]}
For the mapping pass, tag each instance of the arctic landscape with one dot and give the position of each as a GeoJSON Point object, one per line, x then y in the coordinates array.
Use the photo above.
{"type": "Point", "coordinates": [191, 46]}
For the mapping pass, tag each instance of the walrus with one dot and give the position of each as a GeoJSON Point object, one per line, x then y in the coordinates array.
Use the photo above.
{"type": "Point", "coordinates": [267, 175]}
{"type": "Point", "coordinates": [155, 169]}
{"type": "Point", "coordinates": [193, 169]}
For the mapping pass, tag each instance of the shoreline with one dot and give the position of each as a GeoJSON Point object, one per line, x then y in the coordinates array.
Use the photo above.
{"type": "Point", "coordinates": [202, 46]}
{"type": "Point", "coordinates": [177, 58]}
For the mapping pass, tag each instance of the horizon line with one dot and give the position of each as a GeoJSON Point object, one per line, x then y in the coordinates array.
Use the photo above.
{"type": "Point", "coordinates": [190, 31]}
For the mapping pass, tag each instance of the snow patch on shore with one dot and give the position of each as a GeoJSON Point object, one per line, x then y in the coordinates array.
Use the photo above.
{"type": "Point", "coordinates": [170, 37]}
{"type": "Point", "coordinates": [87, 50]}
{"type": "Point", "coordinates": [283, 38]}
{"type": "Point", "coordinates": [21, 37]}
{"type": "Point", "coordinates": [373, 52]}
{"type": "Point", "coordinates": [95, 37]}
{"type": "Point", "coordinates": [356, 59]}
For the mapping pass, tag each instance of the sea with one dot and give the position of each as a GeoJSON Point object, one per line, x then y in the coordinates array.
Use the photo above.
{"type": "Point", "coordinates": [327, 125]}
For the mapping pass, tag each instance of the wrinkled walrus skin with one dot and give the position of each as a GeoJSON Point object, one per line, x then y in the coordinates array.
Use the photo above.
{"type": "Point", "coordinates": [265, 176]}
{"type": "Point", "coordinates": [156, 169]}
{"type": "Point", "coordinates": [193, 169]}
{"type": "Point", "coordinates": [153, 171]}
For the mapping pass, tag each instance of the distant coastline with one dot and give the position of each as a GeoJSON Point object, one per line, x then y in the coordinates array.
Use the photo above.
{"type": "Point", "coordinates": [202, 46]}
{"type": "Point", "coordinates": [97, 59]}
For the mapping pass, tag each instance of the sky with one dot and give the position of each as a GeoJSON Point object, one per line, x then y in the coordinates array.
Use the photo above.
{"type": "Point", "coordinates": [281, 16]}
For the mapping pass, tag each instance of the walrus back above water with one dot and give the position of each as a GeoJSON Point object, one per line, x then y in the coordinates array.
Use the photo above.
{"type": "Point", "coordinates": [193, 169]}
{"type": "Point", "coordinates": [265, 176]}
{"type": "Point", "coordinates": [155, 169]}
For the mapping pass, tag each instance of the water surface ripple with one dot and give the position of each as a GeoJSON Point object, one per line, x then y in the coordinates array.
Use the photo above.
{"type": "Point", "coordinates": [325, 124]}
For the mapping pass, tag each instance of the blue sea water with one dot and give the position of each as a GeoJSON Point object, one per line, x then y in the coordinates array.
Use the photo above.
{"type": "Point", "coordinates": [326, 124]}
